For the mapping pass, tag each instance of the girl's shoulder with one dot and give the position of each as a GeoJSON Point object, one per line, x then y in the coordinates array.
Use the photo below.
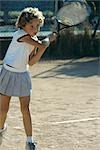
{"type": "Point", "coordinates": [19, 33]}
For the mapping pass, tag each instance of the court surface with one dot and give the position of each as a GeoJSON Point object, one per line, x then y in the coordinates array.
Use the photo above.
{"type": "Point", "coordinates": [65, 107]}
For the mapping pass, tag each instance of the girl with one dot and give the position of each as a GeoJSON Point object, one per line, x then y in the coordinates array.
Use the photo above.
{"type": "Point", "coordinates": [14, 76]}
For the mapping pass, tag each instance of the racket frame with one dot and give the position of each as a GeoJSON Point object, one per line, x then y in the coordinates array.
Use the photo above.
{"type": "Point", "coordinates": [59, 22]}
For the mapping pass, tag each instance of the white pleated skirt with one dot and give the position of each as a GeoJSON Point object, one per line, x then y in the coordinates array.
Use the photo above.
{"type": "Point", "coordinates": [14, 83]}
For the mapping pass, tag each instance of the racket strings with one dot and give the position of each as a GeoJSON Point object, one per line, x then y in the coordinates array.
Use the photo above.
{"type": "Point", "coordinates": [73, 13]}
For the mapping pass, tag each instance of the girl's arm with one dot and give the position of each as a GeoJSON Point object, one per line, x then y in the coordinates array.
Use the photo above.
{"type": "Point", "coordinates": [31, 41]}
{"type": "Point", "coordinates": [33, 53]}
{"type": "Point", "coordinates": [33, 58]}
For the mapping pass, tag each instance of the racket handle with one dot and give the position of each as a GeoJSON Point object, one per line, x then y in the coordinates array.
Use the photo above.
{"type": "Point", "coordinates": [96, 27]}
{"type": "Point", "coordinates": [58, 27]}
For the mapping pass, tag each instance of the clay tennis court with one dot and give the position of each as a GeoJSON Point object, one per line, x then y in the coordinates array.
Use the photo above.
{"type": "Point", "coordinates": [65, 107]}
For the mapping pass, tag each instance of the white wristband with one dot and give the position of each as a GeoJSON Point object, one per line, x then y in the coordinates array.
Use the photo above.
{"type": "Point", "coordinates": [46, 41]}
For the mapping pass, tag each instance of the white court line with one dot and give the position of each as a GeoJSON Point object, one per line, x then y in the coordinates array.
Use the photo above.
{"type": "Point", "coordinates": [74, 121]}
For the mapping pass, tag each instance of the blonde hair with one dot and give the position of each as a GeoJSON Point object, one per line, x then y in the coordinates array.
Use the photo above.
{"type": "Point", "coordinates": [27, 15]}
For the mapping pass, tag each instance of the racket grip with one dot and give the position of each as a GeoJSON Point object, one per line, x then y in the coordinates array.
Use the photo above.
{"type": "Point", "coordinates": [96, 27]}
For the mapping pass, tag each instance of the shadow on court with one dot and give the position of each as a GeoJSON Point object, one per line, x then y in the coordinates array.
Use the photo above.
{"type": "Point", "coordinates": [75, 68]}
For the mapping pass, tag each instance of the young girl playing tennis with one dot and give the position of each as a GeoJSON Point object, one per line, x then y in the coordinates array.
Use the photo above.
{"type": "Point", "coordinates": [14, 76]}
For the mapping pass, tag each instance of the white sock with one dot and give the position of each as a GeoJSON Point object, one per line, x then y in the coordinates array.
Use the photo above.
{"type": "Point", "coordinates": [29, 139]}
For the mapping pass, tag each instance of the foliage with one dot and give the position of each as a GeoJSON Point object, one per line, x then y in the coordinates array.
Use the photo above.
{"type": "Point", "coordinates": [48, 13]}
{"type": "Point", "coordinates": [1, 13]}
{"type": "Point", "coordinates": [69, 45]}
{"type": "Point", "coordinates": [13, 14]}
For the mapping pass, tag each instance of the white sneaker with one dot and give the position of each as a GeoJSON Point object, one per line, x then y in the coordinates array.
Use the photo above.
{"type": "Point", "coordinates": [3, 130]}
{"type": "Point", "coordinates": [30, 146]}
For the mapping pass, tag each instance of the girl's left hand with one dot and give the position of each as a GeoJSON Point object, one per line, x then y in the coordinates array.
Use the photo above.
{"type": "Point", "coordinates": [53, 37]}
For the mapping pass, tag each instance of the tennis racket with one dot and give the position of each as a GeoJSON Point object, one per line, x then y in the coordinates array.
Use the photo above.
{"type": "Point", "coordinates": [72, 14]}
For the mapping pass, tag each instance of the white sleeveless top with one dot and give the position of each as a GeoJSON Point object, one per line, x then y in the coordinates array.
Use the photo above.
{"type": "Point", "coordinates": [18, 53]}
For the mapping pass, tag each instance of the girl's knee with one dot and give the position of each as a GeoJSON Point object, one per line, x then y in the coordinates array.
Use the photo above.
{"type": "Point", "coordinates": [25, 110]}
{"type": "Point", "coordinates": [24, 104]}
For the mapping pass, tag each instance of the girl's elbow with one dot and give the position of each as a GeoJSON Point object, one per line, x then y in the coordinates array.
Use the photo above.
{"type": "Point", "coordinates": [30, 63]}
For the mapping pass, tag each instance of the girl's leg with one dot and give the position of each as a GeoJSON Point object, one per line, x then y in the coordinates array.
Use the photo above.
{"type": "Point", "coordinates": [24, 104]}
{"type": "Point", "coordinates": [4, 107]}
